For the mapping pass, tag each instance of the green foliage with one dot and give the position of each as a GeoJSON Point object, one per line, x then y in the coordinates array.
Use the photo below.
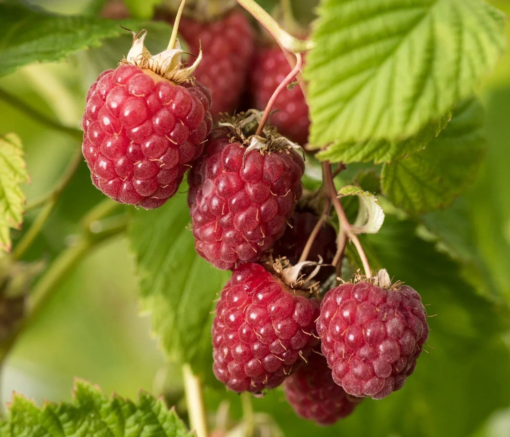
{"type": "Point", "coordinates": [13, 172]}
{"type": "Point", "coordinates": [30, 36]}
{"type": "Point", "coordinates": [92, 414]}
{"type": "Point", "coordinates": [385, 69]}
{"type": "Point", "coordinates": [432, 178]}
{"type": "Point", "coordinates": [177, 286]}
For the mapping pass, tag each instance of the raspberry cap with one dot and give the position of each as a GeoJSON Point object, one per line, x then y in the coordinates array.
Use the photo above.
{"type": "Point", "coordinates": [372, 335]}
{"type": "Point", "coordinates": [228, 45]}
{"type": "Point", "coordinates": [262, 330]}
{"type": "Point", "coordinates": [240, 199]}
{"type": "Point", "coordinates": [269, 69]}
{"type": "Point", "coordinates": [313, 394]}
{"type": "Point", "coordinates": [142, 131]}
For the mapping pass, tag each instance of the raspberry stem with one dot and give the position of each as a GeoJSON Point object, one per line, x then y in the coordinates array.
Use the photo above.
{"type": "Point", "coordinates": [284, 39]}
{"type": "Point", "coordinates": [315, 232]}
{"type": "Point", "coordinates": [345, 231]}
{"type": "Point", "coordinates": [175, 30]}
{"type": "Point", "coordinates": [195, 402]}
{"type": "Point", "coordinates": [284, 84]}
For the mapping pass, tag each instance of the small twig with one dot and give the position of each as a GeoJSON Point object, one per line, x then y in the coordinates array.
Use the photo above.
{"type": "Point", "coordinates": [283, 85]}
{"type": "Point", "coordinates": [195, 402]}
{"type": "Point", "coordinates": [315, 232]}
{"type": "Point", "coordinates": [39, 117]}
{"type": "Point", "coordinates": [345, 226]}
{"type": "Point", "coordinates": [248, 415]}
{"type": "Point", "coordinates": [175, 30]}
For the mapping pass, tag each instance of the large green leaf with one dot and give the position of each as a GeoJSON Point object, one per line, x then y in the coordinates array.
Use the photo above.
{"type": "Point", "coordinates": [32, 35]}
{"type": "Point", "coordinates": [177, 286]}
{"type": "Point", "coordinates": [384, 69]}
{"type": "Point", "coordinates": [432, 178]}
{"type": "Point", "coordinates": [13, 172]}
{"type": "Point", "coordinates": [92, 414]}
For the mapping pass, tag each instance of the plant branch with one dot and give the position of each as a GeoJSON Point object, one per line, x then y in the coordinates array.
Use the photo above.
{"type": "Point", "coordinates": [345, 226]}
{"type": "Point", "coordinates": [39, 117]}
{"type": "Point", "coordinates": [195, 402]}
{"type": "Point", "coordinates": [49, 201]}
{"type": "Point", "coordinates": [283, 85]}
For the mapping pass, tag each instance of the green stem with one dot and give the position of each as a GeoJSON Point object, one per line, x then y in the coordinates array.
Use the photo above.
{"type": "Point", "coordinates": [284, 39]}
{"type": "Point", "coordinates": [175, 30]}
{"type": "Point", "coordinates": [248, 416]}
{"type": "Point", "coordinates": [39, 117]}
{"type": "Point", "coordinates": [49, 201]}
{"type": "Point", "coordinates": [195, 402]}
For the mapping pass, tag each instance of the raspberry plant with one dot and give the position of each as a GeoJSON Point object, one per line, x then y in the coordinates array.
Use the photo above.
{"type": "Point", "coordinates": [282, 216]}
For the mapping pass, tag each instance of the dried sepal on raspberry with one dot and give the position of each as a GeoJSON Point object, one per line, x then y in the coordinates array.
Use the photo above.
{"type": "Point", "coordinates": [372, 333]}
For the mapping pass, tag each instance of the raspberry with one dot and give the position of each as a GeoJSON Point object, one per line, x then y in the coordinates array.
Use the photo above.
{"type": "Point", "coordinates": [270, 67]}
{"type": "Point", "coordinates": [372, 336]}
{"type": "Point", "coordinates": [262, 330]}
{"type": "Point", "coordinates": [228, 47]}
{"type": "Point", "coordinates": [240, 200]}
{"type": "Point", "coordinates": [141, 132]}
{"type": "Point", "coordinates": [315, 396]}
{"type": "Point", "coordinates": [294, 240]}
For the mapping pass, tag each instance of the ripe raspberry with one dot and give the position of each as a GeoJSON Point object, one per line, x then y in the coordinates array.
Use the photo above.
{"type": "Point", "coordinates": [315, 396]}
{"type": "Point", "coordinates": [262, 330]}
{"type": "Point", "coordinates": [269, 69]}
{"type": "Point", "coordinates": [372, 335]}
{"type": "Point", "coordinates": [294, 240]}
{"type": "Point", "coordinates": [141, 132]}
{"type": "Point", "coordinates": [228, 48]}
{"type": "Point", "coordinates": [240, 200]}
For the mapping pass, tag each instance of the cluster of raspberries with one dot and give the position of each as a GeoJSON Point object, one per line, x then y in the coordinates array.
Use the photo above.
{"type": "Point", "coordinates": [144, 129]}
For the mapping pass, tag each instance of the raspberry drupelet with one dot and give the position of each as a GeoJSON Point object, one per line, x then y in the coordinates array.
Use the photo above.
{"type": "Point", "coordinates": [262, 330]}
{"type": "Point", "coordinates": [144, 124]}
{"type": "Point", "coordinates": [240, 199]}
{"type": "Point", "coordinates": [372, 335]}
{"type": "Point", "coordinates": [313, 394]}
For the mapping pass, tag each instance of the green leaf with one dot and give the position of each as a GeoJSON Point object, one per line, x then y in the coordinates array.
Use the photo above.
{"type": "Point", "coordinates": [92, 414]}
{"type": "Point", "coordinates": [13, 172]}
{"type": "Point", "coordinates": [177, 286]}
{"type": "Point", "coordinates": [30, 36]}
{"type": "Point", "coordinates": [142, 9]}
{"type": "Point", "coordinates": [370, 215]}
{"type": "Point", "coordinates": [385, 69]}
{"type": "Point", "coordinates": [432, 178]}
{"type": "Point", "coordinates": [383, 150]}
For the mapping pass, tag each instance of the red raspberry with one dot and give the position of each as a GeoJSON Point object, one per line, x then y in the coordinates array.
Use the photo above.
{"type": "Point", "coordinates": [240, 201]}
{"type": "Point", "coordinates": [262, 330]}
{"type": "Point", "coordinates": [315, 396]}
{"type": "Point", "coordinates": [372, 336]}
{"type": "Point", "coordinates": [141, 132]}
{"type": "Point", "coordinates": [294, 240]}
{"type": "Point", "coordinates": [270, 67]}
{"type": "Point", "coordinates": [228, 47]}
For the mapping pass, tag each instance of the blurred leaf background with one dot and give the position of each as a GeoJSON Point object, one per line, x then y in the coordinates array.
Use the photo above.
{"type": "Point", "coordinates": [92, 327]}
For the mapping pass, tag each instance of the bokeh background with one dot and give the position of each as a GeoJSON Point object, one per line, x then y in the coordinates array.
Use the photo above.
{"type": "Point", "coordinates": [92, 327]}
